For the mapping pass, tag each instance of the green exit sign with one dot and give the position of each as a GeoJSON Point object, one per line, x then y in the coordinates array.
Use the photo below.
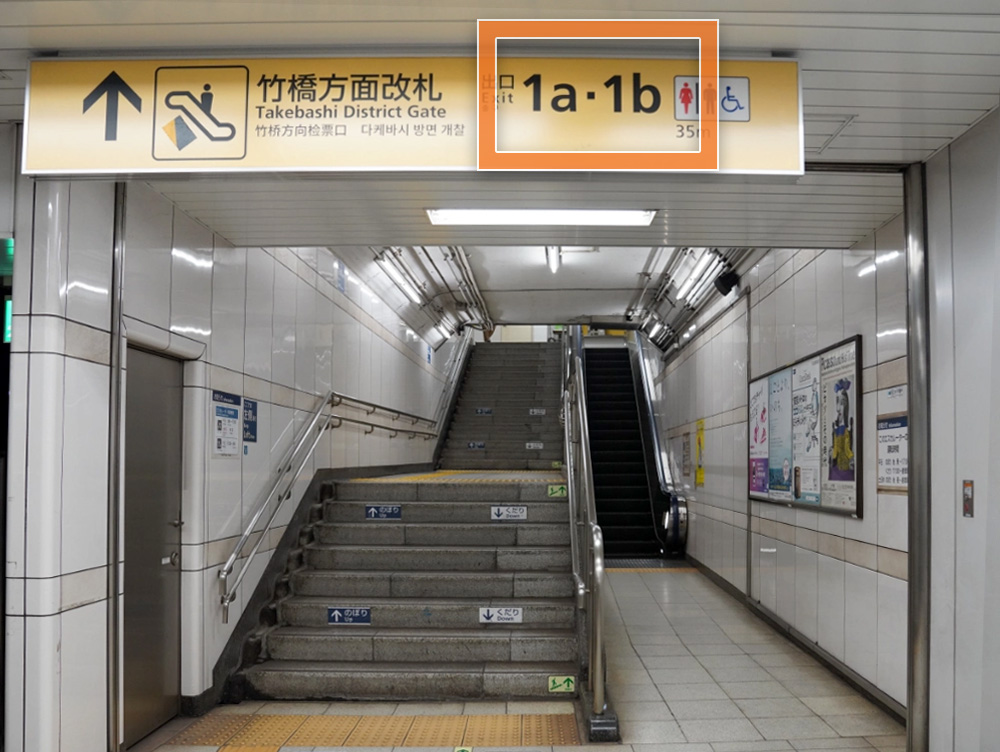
{"type": "Point", "coordinates": [8, 310]}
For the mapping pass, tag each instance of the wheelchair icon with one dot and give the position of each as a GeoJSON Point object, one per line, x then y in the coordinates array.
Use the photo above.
{"type": "Point", "coordinates": [730, 103]}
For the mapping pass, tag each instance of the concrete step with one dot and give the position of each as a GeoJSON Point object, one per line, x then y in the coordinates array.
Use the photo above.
{"type": "Point", "coordinates": [542, 374]}
{"type": "Point", "coordinates": [347, 643]}
{"type": "Point", "coordinates": [480, 463]}
{"type": "Point", "coordinates": [329, 680]}
{"type": "Point", "coordinates": [427, 613]}
{"type": "Point", "coordinates": [451, 558]}
{"type": "Point", "coordinates": [487, 491]}
{"type": "Point", "coordinates": [390, 533]}
{"type": "Point", "coordinates": [510, 402]}
{"type": "Point", "coordinates": [504, 445]}
{"type": "Point", "coordinates": [473, 511]}
{"type": "Point", "coordinates": [476, 455]}
{"type": "Point", "coordinates": [432, 584]}
{"type": "Point", "coordinates": [462, 435]}
{"type": "Point", "coordinates": [503, 414]}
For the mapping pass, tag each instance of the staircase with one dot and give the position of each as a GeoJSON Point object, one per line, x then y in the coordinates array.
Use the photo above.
{"type": "Point", "coordinates": [434, 585]}
{"type": "Point", "coordinates": [620, 485]}
{"type": "Point", "coordinates": [507, 416]}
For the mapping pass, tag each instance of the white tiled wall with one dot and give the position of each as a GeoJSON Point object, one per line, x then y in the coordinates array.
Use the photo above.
{"type": "Point", "coordinates": [963, 206]}
{"type": "Point", "coordinates": [839, 582]}
{"type": "Point", "coordinates": [278, 331]}
{"type": "Point", "coordinates": [259, 322]}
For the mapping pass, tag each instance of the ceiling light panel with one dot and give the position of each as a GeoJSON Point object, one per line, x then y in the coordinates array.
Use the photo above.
{"type": "Point", "coordinates": [544, 217]}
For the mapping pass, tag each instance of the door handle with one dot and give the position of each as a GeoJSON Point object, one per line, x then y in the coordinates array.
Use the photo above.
{"type": "Point", "coordinates": [177, 523]}
{"type": "Point", "coordinates": [175, 558]}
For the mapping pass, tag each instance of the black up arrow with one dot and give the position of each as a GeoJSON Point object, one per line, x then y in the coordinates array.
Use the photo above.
{"type": "Point", "coordinates": [113, 86]}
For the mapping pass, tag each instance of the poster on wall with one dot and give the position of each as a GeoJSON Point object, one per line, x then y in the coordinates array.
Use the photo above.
{"type": "Point", "coordinates": [699, 454]}
{"type": "Point", "coordinates": [779, 443]}
{"type": "Point", "coordinates": [686, 455]}
{"type": "Point", "coordinates": [839, 412]}
{"type": "Point", "coordinates": [805, 432]}
{"type": "Point", "coordinates": [226, 426]}
{"type": "Point", "coordinates": [892, 429]}
{"type": "Point", "coordinates": [758, 438]}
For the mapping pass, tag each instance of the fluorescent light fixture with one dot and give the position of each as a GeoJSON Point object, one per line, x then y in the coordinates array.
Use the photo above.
{"type": "Point", "coordinates": [655, 330]}
{"type": "Point", "coordinates": [694, 276]}
{"type": "Point", "coordinates": [553, 257]}
{"type": "Point", "coordinates": [705, 283]}
{"type": "Point", "coordinates": [442, 331]}
{"type": "Point", "coordinates": [549, 217]}
{"type": "Point", "coordinates": [401, 283]}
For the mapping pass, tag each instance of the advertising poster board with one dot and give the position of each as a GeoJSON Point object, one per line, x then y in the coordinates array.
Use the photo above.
{"type": "Point", "coordinates": [805, 431]}
{"type": "Point", "coordinates": [758, 438]}
{"type": "Point", "coordinates": [840, 387]}
{"type": "Point", "coordinates": [779, 446]}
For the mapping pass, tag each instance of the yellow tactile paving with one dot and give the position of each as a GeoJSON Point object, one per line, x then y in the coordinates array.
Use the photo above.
{"type": "Point", "coordinates": [267, 733]}
{"type": "Point", "coordinates": [543, 730]}
{"type": "Point", "coordinates": [493, 731]}
{"type": "Point", "coordinates": [268, 729]}
{"type": "Point", "coordinates": [211, 730]}
{"type": "Point", "coordinates": [324, 731]}
{"type": "Point", "coordinates": [436, 731]}
{"type": "Point", "coordinates": [380, 731]}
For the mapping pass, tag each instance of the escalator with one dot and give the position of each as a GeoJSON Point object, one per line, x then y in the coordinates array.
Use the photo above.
{"type": "Point", "coordinates": [621, 485]}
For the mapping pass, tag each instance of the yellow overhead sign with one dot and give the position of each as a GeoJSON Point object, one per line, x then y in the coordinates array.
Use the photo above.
{"type": "Point", "coordinates": [121, 117]}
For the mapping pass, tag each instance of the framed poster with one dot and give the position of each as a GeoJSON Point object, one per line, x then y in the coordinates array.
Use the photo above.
{"type": "Point", "coordinates": [779, 444]}
{"type": "Point", "coordinates": [805, 431]}
{"type": "Point", "coordinates": [758, 438]}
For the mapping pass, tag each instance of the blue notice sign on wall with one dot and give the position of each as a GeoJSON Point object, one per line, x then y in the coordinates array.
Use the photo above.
{"type": "Point", "coordinates": [349, 615]}
{"type": "Point", "coordinates": [225, 397]}
{"type": "Point", "coordinates": [249, 420]}
{"type": "Point", "coordinates": [341, 277]}
{"type": "Point", "coordinates": [383, 512]}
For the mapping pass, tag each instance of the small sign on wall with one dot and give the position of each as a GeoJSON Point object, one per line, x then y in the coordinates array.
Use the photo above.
{"type": "Point", "coordinates": [893, 441]}
{"type": "Point", "coordinates": [699, 454]}
{"type": "Point", "coordinates": [250, 421]}
{"type": "Point", "coordinates": [225, 418]}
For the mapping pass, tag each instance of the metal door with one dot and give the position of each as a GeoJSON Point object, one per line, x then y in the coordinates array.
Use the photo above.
{"type": "Point", "coordinates": [153, 405]}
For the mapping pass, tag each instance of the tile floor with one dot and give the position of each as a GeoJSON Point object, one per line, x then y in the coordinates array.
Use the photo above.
{"type": "Point", "coordinates": [690, 669]}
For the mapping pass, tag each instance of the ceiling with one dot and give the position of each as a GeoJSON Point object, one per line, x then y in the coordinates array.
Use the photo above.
{"type": "Point", "coordinates": [882, 83]}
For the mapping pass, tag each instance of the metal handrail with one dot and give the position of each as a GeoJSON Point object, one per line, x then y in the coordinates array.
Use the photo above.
{"type": "Point", "coordinates": [587, 554]}
{"type": "Point", "coordinates": [372, 407]}
{"type": "Point", "coordinates": [454, 363]}
{"type": "Point", "coordinates": [394, 431]}
{"type": "Point", "coordinates": [284, 468]}
{"type": "Point", "coordinates": [322, 423]}
{"type": "Point", "coordinates": [666, 482]}
{"type": "Point", "coordinates": [573, 493]}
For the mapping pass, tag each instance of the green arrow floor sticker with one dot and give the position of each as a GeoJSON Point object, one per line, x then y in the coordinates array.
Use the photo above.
{"type": "Point", "coordinates": [463, 749]}
{"type": "Point", "coordinates": [557, 491]}
{"type": "Point", "coordinates": [562, 684]}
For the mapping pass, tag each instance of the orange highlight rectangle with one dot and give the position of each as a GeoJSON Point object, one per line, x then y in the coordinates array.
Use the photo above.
{"type": "Point", "coordinates": [490, 158]}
